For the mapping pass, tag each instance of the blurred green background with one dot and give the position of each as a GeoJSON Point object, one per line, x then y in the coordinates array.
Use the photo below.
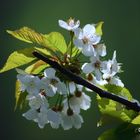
{"type": "Point", "coordinates": [121, 32]}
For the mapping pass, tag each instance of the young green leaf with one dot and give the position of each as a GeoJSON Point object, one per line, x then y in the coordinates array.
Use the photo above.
{"type": "Point", "coordinates": [28, 35]}
{"type": "Point", "coordinates": [21, 57]}
{"type": "Point", "coordinates": [115, 109]}
{"type": "Point", "coordinates": [120, 133]}
{"type": "Point", "coordinates": [18, 58]}
{"type": "Point", "coordinates": [36, 68]}
{"type": "Point", "coordinates": [56, 40]}
{"type": "Point", "coordinates": [99, 28]}
{"type": "Point", "coordinates": [17, 93]}
{"type": "Point", "coordinates": [20, 97]}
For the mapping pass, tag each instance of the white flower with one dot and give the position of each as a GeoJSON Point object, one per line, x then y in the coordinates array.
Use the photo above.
{"type": "Point", "coordinates": [50, 83]}
{"type": "Point", "coordinates": [70, 25]}
{"type": "Point", "coordinates": [94, 67]}
{"type": "Point", "coordinates": [78, 99]}
{"type": "Point", "coordinates": [41, 113]}
{"type": "Point", "coordinates": [70, 119]}
{"type": "Point", "coordinates": [54, 118]}
{"type": "Point", "coordinates": [92, 79]}
{"type": "Point", "coordinates": [111, 67]}
{"type": "Point", "coordinates": [86, 38]}
{"type": "Point", "coordinates": [35, 102]}
{"type": "Point", "coordinates": [115, 81]}
{"type": "Point", "coordinates": [37, 115]}
{"type": "Point", "coordinates": [29, 83]}
{"type": "Point", "coordinates": [100, 50]}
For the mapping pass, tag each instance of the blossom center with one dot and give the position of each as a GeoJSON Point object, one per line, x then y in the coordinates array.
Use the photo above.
{"type": "Point", "coordinates": [89, 77]}
{"type": "Point", "coordinates": [97, 64]}
{"type": "Point", "coordinates": [53, 82]}
{"type": "Point", "coordinates": [85, 40]}
{"type": "Point", "coordinates": [78, 93]}
{"type": "Point", "coordinates": [70, 112]}
{"type": "Point", "coordinates": [71, 22]}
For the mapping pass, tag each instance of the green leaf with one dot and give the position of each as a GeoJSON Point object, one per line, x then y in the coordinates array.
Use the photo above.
{"type": "Point", "coordinates": [20, 97]}
{"type": "Point", "coordinates": [21, 57]}
{"type": "Point", "coordinates": [17, 93]}
{"type": "Point", "coordinates": [108, 135]}
{"type": "Point", "coordinates": [28, 35]}
{"type": "Point", "coordinates": [18, 58]}
{"type": "Point", "coordinates": [57, 41]}
{"type": "Point", "coordinates": [121, 132]}
{"type": "Point", "coordinates": [54, 41]}
{"type": "Point", "coordinates": [115, 109]}
{"type": "Point", "coordinates": [99, 28]}
{"type": "Point", "coordinates": [136, 120]}
{"type": "Point", "coordinates": [37, 67]}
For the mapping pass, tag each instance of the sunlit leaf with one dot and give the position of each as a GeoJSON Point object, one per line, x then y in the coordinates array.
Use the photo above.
{"type": "Point", "coordinates": [20, 97]}
{"type": "Point", "coordinates": [99, 28]}
{"type": "Point", "coordinates": [120, 133]}
{"type": "Point", "coordinates": [136, 120]}
{"type": "Point", "coordinates": [36, 68]}
{"type": "Point", "coordinates": [18, 58]}
{"type": "Point", "coordinates": [28, 35]}
{"type": "Point", "coordinates": [53, 42]}
{"type": "Point", "coordinates": [56, 40]}
{"type": "Point", "coordinates": [21, 57]}
{"type": "Point", "coordinates": [115, 109]}
{"type": "Point", "coordinates": [17, 93]}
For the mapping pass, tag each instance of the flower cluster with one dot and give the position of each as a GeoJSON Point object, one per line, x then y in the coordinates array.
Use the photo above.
{"type": "Point", "coordinates": [58, 102]}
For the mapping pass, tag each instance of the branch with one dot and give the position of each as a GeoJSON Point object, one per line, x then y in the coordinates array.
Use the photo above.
{"type": "Point", "coordinates": [134, 105]}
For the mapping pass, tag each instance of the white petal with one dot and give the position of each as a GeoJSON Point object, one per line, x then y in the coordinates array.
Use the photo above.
{"type": "Point", "coordinates": [61, 88]}
{"type": "Point", "coordinates": [50, 91]}
{"type": "Point", "coordinates": [95, 39]}
{"type": "Point", "coordinates": [88, 68]}
{"type": "Point", "coordinates": [72, 87]}
{"type": "Point", "coordinates": [78, 43]}
{"type": "Point", "coordinates": [98, 74]}
{"type": "Point", "coordinates": [86, 103]}
{"type": "Point", "coordinates": [101, 49]}
{"type": "Point", "coordinates": [89, 29]}
{"type": "Point", "coordinates": [88, 50]}
{"type": "Point", "coordinates": [34, 102]}
{"type": "Point", "coordinates": [63, 24]}
{"type": "Point", "coordinates": [77, 24]}
{"type": "Point", "coordinates": [77, 121]}
{"type": "Point", "coordinates": [116, 81]}
{"type": "Point", "coordinates": [77, 31]}
{"type": "Point", "coordinates": [30, 114]}
{"type": "Point", "coordinates": [53, 116]}
{"type": "Point", "coordinates": [66, 122]}
{"type": "Point", "coordinates": [80, 87]}
{"type": "Point", "coordinates": [49, 72]}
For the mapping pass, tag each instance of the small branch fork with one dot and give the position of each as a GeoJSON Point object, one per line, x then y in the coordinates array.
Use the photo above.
{"type": "Point", "coordinates": [134, 105]}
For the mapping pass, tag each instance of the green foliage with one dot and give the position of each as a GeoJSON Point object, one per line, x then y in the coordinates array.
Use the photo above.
{"type": "Point", "coordinates": [56, 41]}
{"type": "Point", "coordinates": [19, 58]}
{"type": "Point", "coordinates": [99, 28]}
{"type": "Point", "coordinates": [115, 109]}
{"type": "Point", "coordinates": [36, 68]}
{"type": "Point", "coordinates": [128, 120]}
{"type": "Point", "coordinates": [53, 42]}
{"type": "Point", "coordinates": [20, 97]}
{"type": "Point", "coordinates": [124, 131]}
{"type": "Point", "coordinates": [28, 35]}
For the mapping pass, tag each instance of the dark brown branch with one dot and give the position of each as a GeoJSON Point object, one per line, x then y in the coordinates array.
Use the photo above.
{"type": "Point", "coordinates": [134, 105]}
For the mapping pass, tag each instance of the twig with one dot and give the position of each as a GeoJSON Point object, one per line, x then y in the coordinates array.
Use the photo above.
{"type": "Point", "coordinates": [134, 105]}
